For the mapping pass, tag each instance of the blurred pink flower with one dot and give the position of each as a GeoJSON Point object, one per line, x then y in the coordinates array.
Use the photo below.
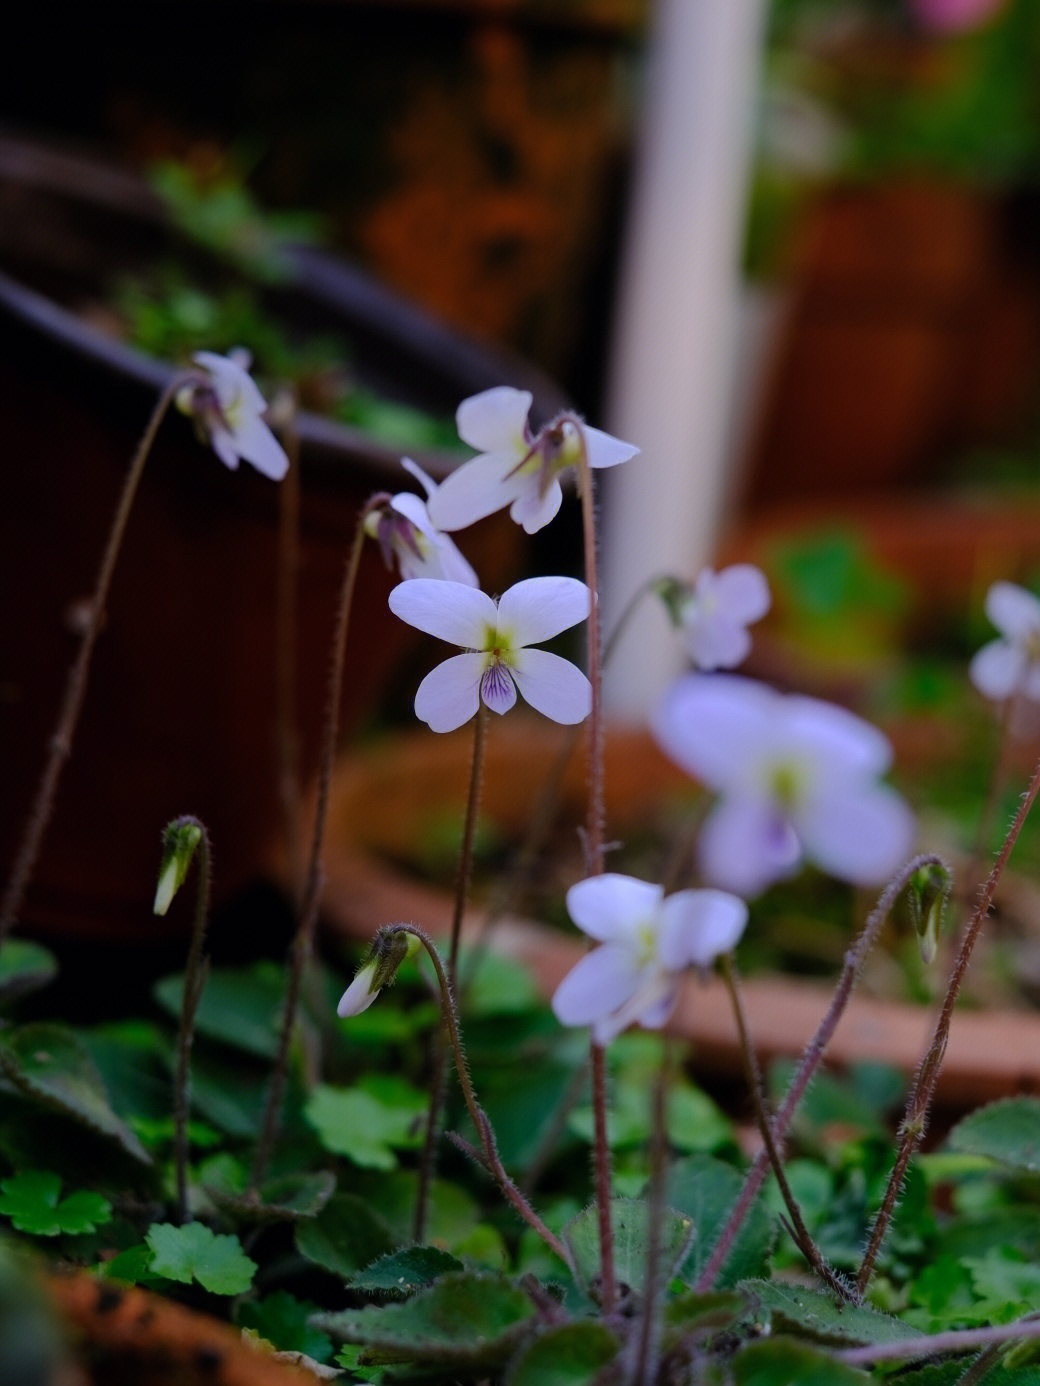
{"type": "Point", "coordinates": [954, 16]}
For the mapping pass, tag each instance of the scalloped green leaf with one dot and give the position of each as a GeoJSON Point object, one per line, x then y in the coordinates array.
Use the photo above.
{"type": "Point", "coordinates": [241, 1006]}
{"type": "Point", "coordinates": [287, 1199]}
{"type": "Point", "coordinates": [815, 1314]}
{"type": "Point", "coordinates": [24, 966]}
{"type": "Point", "coordinates": [346, 1235]}
{"type": "Point", "coordinates": [404, 1272]}
{"type": "Point", "coordinates": [33, 1202]}
{"type": "Point", "coordinates": [362, 1126]}
{"type": "Point", "coordinates": [196, 1252]}
{"type": "Point", "coordinates": [1006, 1131]}
{"type": "Point", "coordinates": [705, 1189]}
{"type": "Point", "coordinates": [283, 1320]}
{"type": "Point", "coordinates": [465, 1320]}
{"type": "Point", "coordinates": [49, 1065]}
{"type": "Point", "coordinates": [781, 1362]}
{"type": "Point", "coordinates": [630, 1219]}
{"type": "Point", "coordinates": [568, 1354]}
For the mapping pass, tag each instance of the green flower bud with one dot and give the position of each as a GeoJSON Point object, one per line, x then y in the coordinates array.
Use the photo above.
{"type": "Point", "coordinates": [929, 891]}
{"type": "Point", "coordinates": [180, 840]}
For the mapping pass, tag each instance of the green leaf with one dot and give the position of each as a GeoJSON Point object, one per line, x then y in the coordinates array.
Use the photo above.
{"type": "Point", "coordinates": [781, 1362]}
{"type": "Point", "coordinates": [346, 1235]}
{"type": "Point", "coordinates": [465, 1320]}
{"type": "Point", "coordinates": [705, 1190]}
{"type": "Point", "coordinates": [1007, 1131]}
{"type": "Point", "coordinates": [814, 1314]}
{"type": "Point", "coordinates": [568, 1354]}
{"type": "Point", "coordinates": [405, 1272]}
{"type": "Point", "coordinates": [451, 1213]}
{"type": "Point", "coordinates": [283, 1320]}
{"type": "Point", "coordinates": [280, 1200]}
{"type": "Point", "coordinates": [355, 1123]}
{"type": "Point", "coordinates": [33, 1203]}
{"type": "Point", "coordinates": [693, 1316]}
{"type": "Point", "coordinates": [194, 1252]}
{"type": "Point", "coordinates": [24, 966]}
{"type": "Point", "coordinates": [498, 986]}
{"type": "Point", "coordinates": [240, 1006]}
{"type": "Point", "coordinates": [51, 1067]}
{"type": "Point", "coordinates": [1009, 1282]}
{"type": "Point", "coordinates": [630, 1219]}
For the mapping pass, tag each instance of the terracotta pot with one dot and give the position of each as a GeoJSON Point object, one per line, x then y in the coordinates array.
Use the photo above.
{"type": "Point", "coordinates": [382, 798]}
{"type": "Point", "coordinates": [180, 713]}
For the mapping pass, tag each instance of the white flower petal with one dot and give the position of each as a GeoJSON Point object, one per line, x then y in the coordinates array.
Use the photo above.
{"type": "Point", "coordinates": [717, 644]}
{"type": "Point", "coordinates": [714, 725]}
{"type": "Point", "coordinates": [839, 743]}
{"type": "Point", "coordinates": [553, 686]}
{"type": "Point", "coordinates": [604, 450]}
{"type": "Point", "coordinates": [650, 1006]}
{"type": "Point", "coordinates": [862, 835]}
{"type": "Point", "coordinates": [495, 419]}
{"type": "Point", "coordinates": [425, 481]}
{"type": "Point", "coordinates": [596, 986]}
{"type": "Point", "coordinates": [1013, 610]}
{"type": "Point", "coordinates": [745, 846]}
{"type": "Point", "coordinates": [258, 445]}
{"type": "Point", "coordinates": [539, 608]}
{"type": "Point", "coordinates": [498, 689]}
{"type": "Point", "coordinates": [478, 488]}
{"type": "Point", "coordinates": [360, 994]}
{"type": "Point", "coordinates": [532, 509]}
{"type": "Point", "coordinates": [449, 695]}
{"type": "Point", "coordinates": [450, 610]}
{"type": "Point", "coordinates": [742, 592]}
{"type": "Point", "coordinates": [997, 669]}
{"type": "Point", "coordinates": [441, 559]}
{"type": "Point", "coordinates": [223, 444]}
{"type": "Point", "coordinates": [698, 925]}
{"type": "Point", "coordinates": [608, 907]}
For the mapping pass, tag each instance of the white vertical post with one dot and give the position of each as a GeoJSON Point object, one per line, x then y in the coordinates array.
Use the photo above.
{"type": "Point", "coordinates": [671, 374]}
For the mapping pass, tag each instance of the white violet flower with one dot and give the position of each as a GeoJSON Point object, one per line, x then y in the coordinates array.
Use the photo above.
{"type": "Point", "coordinates": [1011, 664]}
{"type": "Point", "coordinates": [797, 778]}
{"type": "Point", "coordinates": [362, 991]}
{"type": "Point", "coordinates": [516, 467]}
{"type": "Point", "coordinates": [716, 612]}
{"type": "Point", "coordinates": [229, 411]}
{"type": "Point", "coordinates": [647, 940]}
{"type": "Point", "coordinates": [405, 534]}
{"type": "Point", "coordinates": [496, 636]}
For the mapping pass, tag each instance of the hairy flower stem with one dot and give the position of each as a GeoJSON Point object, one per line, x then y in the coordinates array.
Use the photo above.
{"type": "Point", "coordinates": [428, 1160]}
{"type": "Point", "coordinates": [488, 1152]}
{"type": "Point", "coordinates": [814, 1052]}
{"type": "Point", "coordinates": [60, 744]}
{"type": "Point", "coordinates": [915, 1119]}
{"type": "Point", "coordinates": [303, 943]}
{"type": "Point", "coordinates": [753, 1075]}
{"type": "Point", "coordinates": [594, 832]}
{"type": "Point", "coordinates": [286, 598]}
{"type": "Point", "coordinates": [647, 1345]}
{"type": "Point", "coordinates": [195, 972]}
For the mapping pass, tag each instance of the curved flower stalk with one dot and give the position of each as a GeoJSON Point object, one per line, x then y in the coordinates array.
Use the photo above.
{"type": "Point", "coordinates": [497, 637]}
{"type": "Point", "coordinates": [797, 779]}
{"type": "Point", "coordinates": [408, 537]}
{"type": "Point", "coordinates": [516, 467]}
{"type": "Point", "coordinates": [228, 410]}
{"type": "Point", "coordinates": [647, 941]}
{"type": "Point", "coordinates": [1010, 665]}
{"type": "Point", "coordinates": [715, 612]}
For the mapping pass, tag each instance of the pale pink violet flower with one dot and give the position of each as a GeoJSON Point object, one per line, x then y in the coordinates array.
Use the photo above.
{"type": "Point", "coordinates": [797, 780]}
{"type": "Point", "coordinates": [228, 410]}
{"type": "Point", "coordinates": [496, 636]}
{"type": "Point", "coordinates": [955, 16]}
{"type": "Point", "coordinates": [406, 536]}
{"type": "Point", "coordinates": [647, 941]}
{"type": "Point", "coordinates": [516, 467]}
{"type": "Point", "coordinates": [1010, 664]}
{"type": "Point", "coordinates": [714, 617]}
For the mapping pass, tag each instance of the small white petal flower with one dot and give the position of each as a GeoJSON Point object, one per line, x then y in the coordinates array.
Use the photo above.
{"type": "Point", "coordinates": [647, 941]}
{"type": "Point", "coordinates": [515, 467]}
{"type": "Point", "coordinates": [797, 779]}
{"type": "Point", "coordinates": [362, 991]}
{"type": "Point", "coordinates": [230, 413]}
{"type": "Point", "coordinates": [716, 614]}
{"type": "Point", "coordinates": [497, 636]}
{"type": "Point", "coordinates": [1011, 664]}
{"type": "Point", "coordinates": [407, 536]}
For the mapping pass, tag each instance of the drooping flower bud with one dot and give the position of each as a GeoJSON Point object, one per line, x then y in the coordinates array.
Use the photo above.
{"type": "Point", "coordinates": [929, 892]}
{"type": "Point", "coordinates": [379, 969]}
{"type": "Point", "coordinates": [180, 839]}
